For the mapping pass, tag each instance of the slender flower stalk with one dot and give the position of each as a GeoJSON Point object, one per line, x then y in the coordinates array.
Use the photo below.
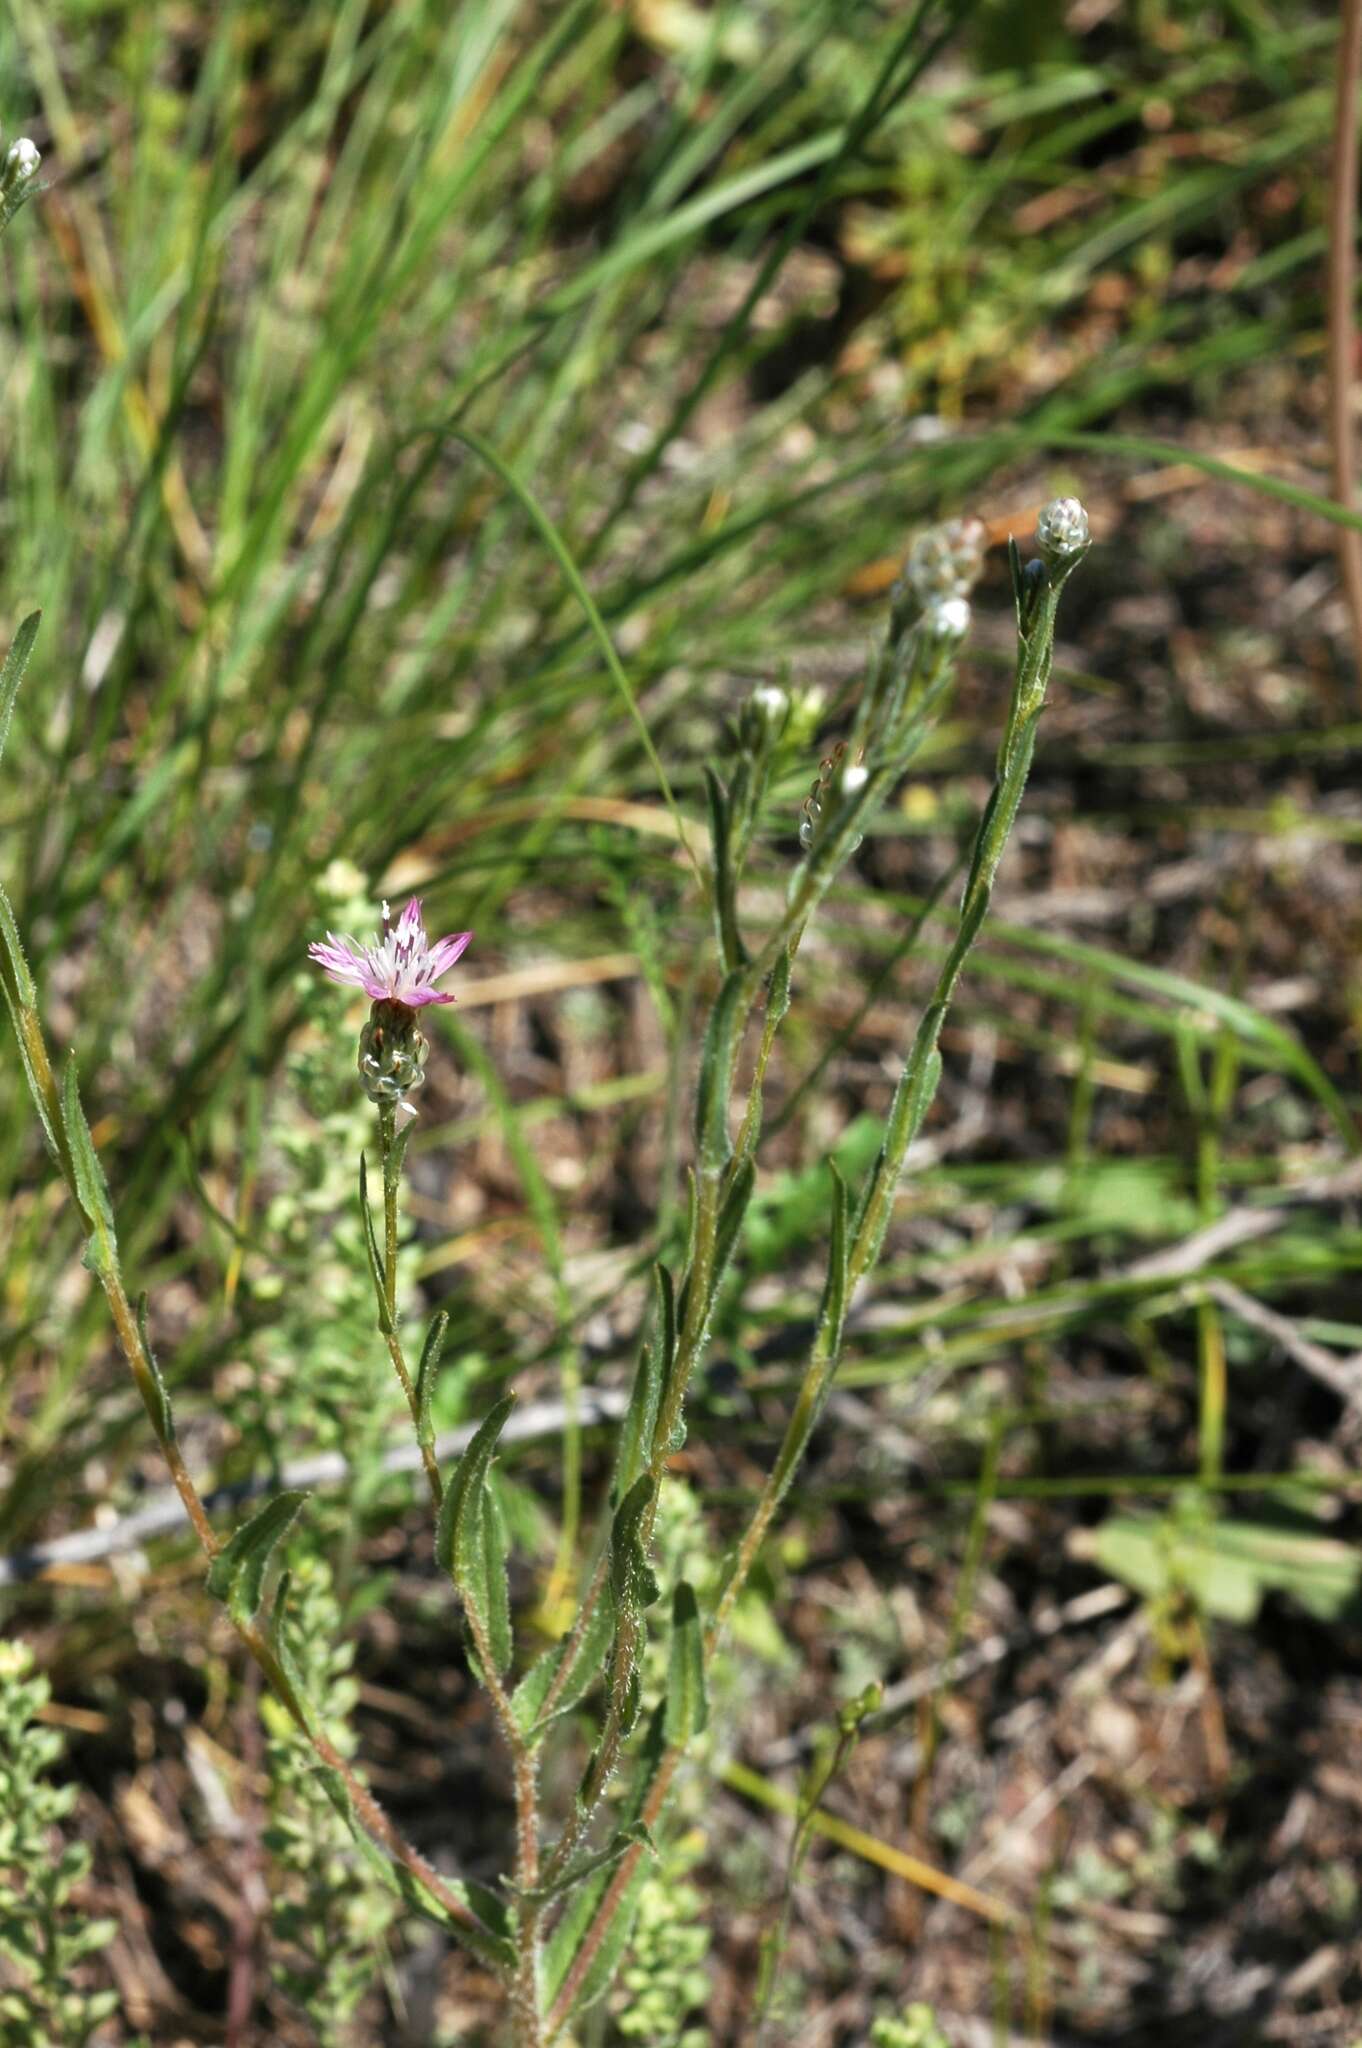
{"type": "Point", "coordinates": [399, 974]}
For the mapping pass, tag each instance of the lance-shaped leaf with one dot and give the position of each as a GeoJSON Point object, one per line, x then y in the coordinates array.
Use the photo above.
{"type": "Point", "coordinates": [713, 1139]}
{"type": "Point", "coordinates": [489, 1933]}
{"type": "Point", "coordinates": [591, 1864]}
{"type": "Point", "coordinates": [731, 949]}
{"type": "Point", "coordinates": [686, 1710]}
{"type": "Point", "coordinates": [585, 1659]}
{"type": "Point", "coordinates": [492, 1546]}
{"type": "Point", "coordinates": [656, 1359]}
{"type": "Point", "coordinates": [832, 1310]}
{"type": "Point", "coordinates": [163, 1422]}
{"type": "Point", "coordinates": [732, 1210]}
{"type": "Point", "coordinates": [431, 1353]}
{"type": "Point", "coordinates": [631, 1576]}
{"type": "Point", "coordinates": [470, 1540]}
{"type": "Point", "coordinates": [237, 1574]}
{"type": "Point", "coordinates": [12, 671]}
{"type": "Point", "coordinates": [92, 1190]}
{"type": "Point", "coordinates": [371, 1250]}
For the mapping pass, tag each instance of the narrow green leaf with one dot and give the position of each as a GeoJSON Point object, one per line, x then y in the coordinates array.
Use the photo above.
{"type": "Point", "coordinates": [632, 1580]}
{"type": "Point", "coordinates": [687, 1709]}
{"type": "Point", "coordinates": [666, 1318]}
{"type": "Point", "coordinates": [162, 1420]}
{"type": "Point", "coordinates": [20, 1000]}
{"type": "Point", "coordinates": [92, 1190]}
{"type": "Point", "coordinates": [470, 1542]}
{"type": "Point", "coordinates": [732, 1211]}
{"type": "Point", "coordinates": [832, 1311]}
{"type": "Point", "coordinates": [491, 1546]}
{"type": "Point", "coordinates": [715, 1087]}
{"type": "Point", "coordinates": [778, 988]}
{"type": "Point", "coordinates": [12, 671]}
{"type": "Point", "coordinates": [23, 992]}
{"type": "Point", "coordinates": [566, 1938]}
{"type": "Point", "coordinates": [237, 1574]}
{"type": "Point", "coordinates": [489, 1935]}
{"type": "Point", "coordinates": [1014, 563]}
{"type": "Point", "coordinates": [634, 1443]}
{"type": "Point", "coordinates": [731, 949]}
{"type": "Point", "coordinates": [595, 1861]}
{"type": "Point", "coordinates": [372, 1252]}
{"type": "Point", "coordinates": [426, 1372]}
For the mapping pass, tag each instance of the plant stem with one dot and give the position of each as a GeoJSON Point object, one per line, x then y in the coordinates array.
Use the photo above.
{"type": "Point", "coordinates": [391, 1153]}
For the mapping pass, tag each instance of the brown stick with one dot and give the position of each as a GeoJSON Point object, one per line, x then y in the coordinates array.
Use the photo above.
{"type": "Point", "coordinates": [1342, 300]}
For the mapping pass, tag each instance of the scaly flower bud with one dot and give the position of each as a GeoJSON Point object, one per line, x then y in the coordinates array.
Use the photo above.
{"type": "Point", "coordinates": [392, 1054]}
{"type": "Point", "coordinates": [18, 168]}
{"type": "Point", "coordinates": [946, 561]}
{"type": "Point", "coordinates": [1062, 533]}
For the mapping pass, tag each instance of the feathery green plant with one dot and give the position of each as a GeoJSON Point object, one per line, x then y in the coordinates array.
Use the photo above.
{"type": "Point", "coordinates": [44, 1935]}
{"type": "Point", "coordinates": [330, 1911]}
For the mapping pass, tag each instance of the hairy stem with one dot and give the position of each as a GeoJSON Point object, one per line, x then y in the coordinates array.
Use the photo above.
{"type": "Point", "coordinates": [392, 1169]}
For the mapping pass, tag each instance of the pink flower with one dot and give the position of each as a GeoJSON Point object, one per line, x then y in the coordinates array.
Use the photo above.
{"type": "Point", "coordinates": [402, 968]}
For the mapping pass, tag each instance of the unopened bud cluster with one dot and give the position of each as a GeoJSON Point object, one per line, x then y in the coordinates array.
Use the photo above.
{"type": "Point", "coordinates": [1062, 533]}
{"type": "Point", "coordinates": [763, 717]}
{"type": "Point", "coordinates": [18, 168]}
{"type": "Point", "coordinates": [392, 1053]}
{"type": "Point", "coordinates": [945, 562]}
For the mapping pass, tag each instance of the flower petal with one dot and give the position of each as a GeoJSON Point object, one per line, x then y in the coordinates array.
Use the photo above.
{"type": "Point", "coordinates": [337, 961]}
{"type": "Point", "coordinates": [420, 998]}
{"type": "Point", "coordinates": [445, 952]}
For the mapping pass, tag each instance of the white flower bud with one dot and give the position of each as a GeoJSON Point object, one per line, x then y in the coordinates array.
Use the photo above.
{"type": "Point", "coordinates": [854, 779]}
{"type": "Point", "coordinates": [771, 699]}
{"type": "Point", "coordinates": [947, 618]}
{"type": "Point", "coordinates": [1062, 532]}
{"type": "Point", "coordinates": [21, 162]}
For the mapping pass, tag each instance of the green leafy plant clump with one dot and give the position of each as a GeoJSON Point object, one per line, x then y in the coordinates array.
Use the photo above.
{"type": "Point", "coordinates": [559, 1928]}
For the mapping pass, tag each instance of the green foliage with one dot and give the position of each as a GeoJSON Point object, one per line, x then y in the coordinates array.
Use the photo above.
{"type": "Point", "coordinates": [1225, 1564]}
{"type": "Point", "coordinates": [664, 1987]}
{"type": "Point", "coordinates": [915, 2027]}
{"type": "Point", "coordinates": [237, 1574]}
{"type": "Point", "coordinates": [331, 1912]}
{"type": "Point", "coordinates": [44, 1935]}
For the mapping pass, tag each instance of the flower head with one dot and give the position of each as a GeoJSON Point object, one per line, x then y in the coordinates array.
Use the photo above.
{"type": "Point", "coordinates": [21, 161]}
{"type": "Point", "coordinates": [403, 967]}
{"type": "Point", "coordinates": [1062, 532]}
{"type": "Point", "coordinates": [947, 560]}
